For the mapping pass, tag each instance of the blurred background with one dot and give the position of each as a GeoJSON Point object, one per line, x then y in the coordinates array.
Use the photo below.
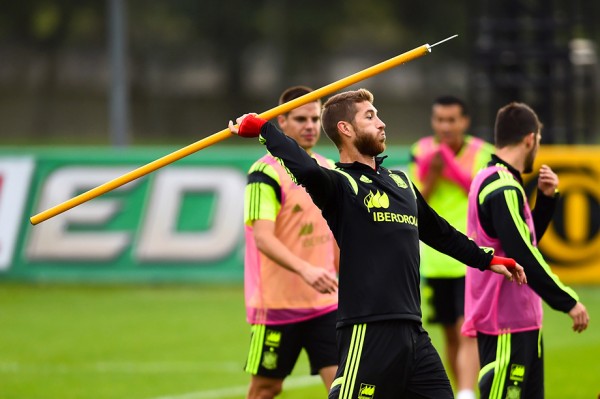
{"type": "Point", "coordinates": [138, 294]}
{"type": "Point", "coordinates": [176, 71]}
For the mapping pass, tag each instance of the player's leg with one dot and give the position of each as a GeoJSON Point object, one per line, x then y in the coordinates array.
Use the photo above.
{"type": "Point", "coordinates": [534, 376]}
{"type": "Point", "coordinates": [467, 356]}
{"type": "Point", "coordinates": [272, 356]}
{"type": "Point", "coordinates": [429, 379]}
{"type": "Point", "coordinates": [451, 345]}
{"type": "Point", "coordinates": [328, 375]}
{"type": "Point", "coordinates": [318, 338]}
{"type": "Point", "coordinates": [447, 309]}
{"type": "Point", "coordinates": [375, 360]}
{"type": "Point", "coordinates": [491, 353]}
{"type": "Point", "coordinates": [468, 361]}
{"type": "Point", "coordinates": [264, 388]}
{"type": "Point", "coordinates": [510, 364]}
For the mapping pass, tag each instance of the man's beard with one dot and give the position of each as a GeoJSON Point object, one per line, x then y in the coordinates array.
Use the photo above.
{"type": "Point", "coordinates": [529, 160]}
{"type": "Point", "coordinates": [368, 145]}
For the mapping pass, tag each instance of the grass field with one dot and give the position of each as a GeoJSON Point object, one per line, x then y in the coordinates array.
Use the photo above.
{"type": "Point", "coordinates": [190, 342]}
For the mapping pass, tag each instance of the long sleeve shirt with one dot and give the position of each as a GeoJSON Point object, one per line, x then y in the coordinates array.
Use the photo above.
{"type": "Point", "coordinates": [501, 217]}
{"type": "Point", "coordinates": [377, 218]}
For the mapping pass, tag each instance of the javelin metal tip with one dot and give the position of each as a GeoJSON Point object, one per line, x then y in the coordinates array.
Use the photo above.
{"type": "Point", "coordinates": [442, 41]}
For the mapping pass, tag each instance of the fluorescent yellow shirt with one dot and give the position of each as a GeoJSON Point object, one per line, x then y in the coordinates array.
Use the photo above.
{"type": "Point", "coordinates": [448, 199]}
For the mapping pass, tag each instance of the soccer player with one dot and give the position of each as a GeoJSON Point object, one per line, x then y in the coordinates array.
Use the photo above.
{"type": "Point", "coordinates": [442, 168]}
{"type": "Point", "coordinates": [507, 319]}
{"type": "Point", "coordinates": [377, 218]}
{"type": "Point", "coordinates": [290, 266]}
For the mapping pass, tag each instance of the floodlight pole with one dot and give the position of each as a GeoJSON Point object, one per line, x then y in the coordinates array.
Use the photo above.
{"type": "Point", "coordinates": [119, 94]}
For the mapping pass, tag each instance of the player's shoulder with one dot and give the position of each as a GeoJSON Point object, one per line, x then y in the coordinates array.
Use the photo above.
{"type": "Point", "coordinates": [422, 143]}
{"type": "Point", "coordinates": [425, 140]}
{"type": "Point", "coordinates": [264, 165]}
{"type": "Point", "coordinates": [266, 161]}
{"type": "Point", "coordinates": [489, 147]}
{"type": "Point", "coordinates": [396, 174]}
{"type": "Point", "coordinates": [498, 180]}
{"type": "Point", "coordinates": [324, 161]}
{"type": "Point", "coordinates": [479, 143]}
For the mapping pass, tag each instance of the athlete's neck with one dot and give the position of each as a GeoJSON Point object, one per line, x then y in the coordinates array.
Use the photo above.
{"type": "Point", "coordinates": [513, 156]}
{"type": "Point", "coordinates": [349, 156]}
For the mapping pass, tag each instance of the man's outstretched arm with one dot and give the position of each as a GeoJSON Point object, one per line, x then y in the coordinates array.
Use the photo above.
{"type": "Point", "coordinates": [436, 232]}
{"type": "Point", "coordinates": [303, 169]}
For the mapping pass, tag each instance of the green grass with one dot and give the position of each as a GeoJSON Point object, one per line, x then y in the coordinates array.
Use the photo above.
{"type": "Point", "coordinates": [190, 342]}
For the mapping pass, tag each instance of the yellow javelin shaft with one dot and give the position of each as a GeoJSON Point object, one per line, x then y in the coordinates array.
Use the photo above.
{"type": "Point", "coordinates": [225, 133]}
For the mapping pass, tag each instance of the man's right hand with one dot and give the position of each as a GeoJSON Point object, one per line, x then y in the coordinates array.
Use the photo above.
{"type": "Point", "coordinates": [580, 317]}
{"type": "Point", "coordinates": [248, 125]}
{"type": "Point", "coordinates": [320, 279]}
{"type": "Point", "coordinates": [434, 172]}
{"type": "Point", "coordinates": [436, 166]}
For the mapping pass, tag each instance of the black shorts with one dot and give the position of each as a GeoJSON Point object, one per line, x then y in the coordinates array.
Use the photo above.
{"type": "Point", "coordinates": [388, 359]}
{"type": "Point", "coordinates": [446, 299]}
{"type": "Point", "coordinates": [274, 350]}
{"type": "Point", "coordinates": [512, 365]}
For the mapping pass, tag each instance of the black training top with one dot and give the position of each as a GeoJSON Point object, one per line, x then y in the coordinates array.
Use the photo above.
{"type": "Point", "coordinates": [504, 219]}
{"type": "Point", "coordinates": [377, 218]}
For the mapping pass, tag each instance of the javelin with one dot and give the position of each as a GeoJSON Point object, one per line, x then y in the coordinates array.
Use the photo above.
{"type": "Point", "coordinates": [225, 133]}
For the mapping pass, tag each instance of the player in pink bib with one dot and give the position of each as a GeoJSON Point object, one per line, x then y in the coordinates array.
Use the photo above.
{"type": "Point", "coordinates": [507, 318]}
{"type": "Point", "coordinates": [290, 265]}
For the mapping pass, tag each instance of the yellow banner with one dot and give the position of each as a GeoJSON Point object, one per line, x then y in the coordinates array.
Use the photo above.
{"type": "Point", "coordinates": [571, 244]}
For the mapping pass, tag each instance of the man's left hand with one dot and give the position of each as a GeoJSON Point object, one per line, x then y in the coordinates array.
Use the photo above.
{"type": "Point", "coordinates": [547, 181]}
{"type": "Point", "coordinates": [508, 268]}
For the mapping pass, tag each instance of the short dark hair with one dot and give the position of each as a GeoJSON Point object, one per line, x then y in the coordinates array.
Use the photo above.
{"type": "Point", "coordinates": [293, 93]}
{"type": "Point", "coordinates": [513, 122]}
{"type": "Point", "coordinates": [452, 100]}
{"type": "Point", "coordinates": [341, 107]}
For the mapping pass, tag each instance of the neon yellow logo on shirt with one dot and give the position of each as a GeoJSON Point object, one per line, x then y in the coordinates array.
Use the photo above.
{"type": "Point", "coordinates": [398, 180]}
{"type": "Point", "coordinates": [306, 229]}
{"type": "Point", "coordinates": [365, 179]}
{"type": "Point", "coordinates": [377, 200]}
{"type": "Point", "coordinates": [379, 216]}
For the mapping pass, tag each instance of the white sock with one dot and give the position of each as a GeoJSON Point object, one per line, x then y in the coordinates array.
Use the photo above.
{"type": "Point", "coordinates": [465, 394]}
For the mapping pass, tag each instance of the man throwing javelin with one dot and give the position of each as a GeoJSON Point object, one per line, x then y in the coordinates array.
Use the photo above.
{"type": "Point", "coordinates": [377, 218]}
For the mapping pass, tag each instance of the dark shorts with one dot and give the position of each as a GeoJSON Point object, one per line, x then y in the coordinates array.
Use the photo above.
{"type": "Point", "coordinates": [512, 365]}
{"type": "Point", "coordinates": [274, 350]}
{"type": "Point", "coordinates": [388, 359]}
{"type": "Point", "coordinates": [446, 299]}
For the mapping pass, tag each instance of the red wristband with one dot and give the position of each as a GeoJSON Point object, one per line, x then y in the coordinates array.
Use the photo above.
{"type": "Point", "coordinates": [508, 262]}
{"type": "Point", "coordinates": [250, 126]}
